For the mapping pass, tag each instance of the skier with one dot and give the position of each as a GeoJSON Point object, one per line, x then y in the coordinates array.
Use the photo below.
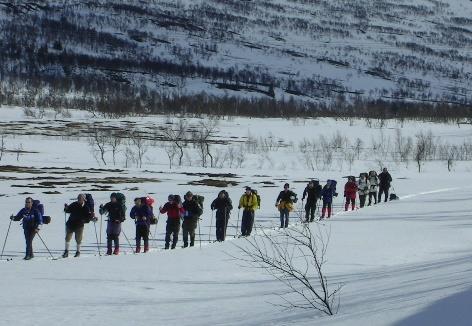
{"type": "Point", "coordinates": [350, 192]}
{"type": "Point", "coordinates": [284, 203]}
{"type": "Point", "coordinates": [249, 203]}
{"type": "Point", "coordinates": [193, 211]}
{"type": "Point", "coordinates": [174, 211]}
{"type": "Point", "coordinates": [79, 215]}
{"type": "Point", "coordinates": [142, 216]}
{"type": "Point", "coordinates": [327, 193]}
{"type": "Point", "coordinates": [223, 206]}
{"type": "Point", "coordinates": [116, 216]}
{"type": "Point", "coordinates": [373, 183]}
{"type": "Point", "coordinates": [312, 192]}
{"type": "Point", "coordinates": [32, 221]}
{"type": "Point", "coordinates": [364, 187]}
{"type": "Point", "coordinates": [384, 184]}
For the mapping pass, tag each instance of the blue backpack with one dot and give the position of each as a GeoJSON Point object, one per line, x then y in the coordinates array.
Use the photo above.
{"type": "Point", "coordinates": [40, 208]}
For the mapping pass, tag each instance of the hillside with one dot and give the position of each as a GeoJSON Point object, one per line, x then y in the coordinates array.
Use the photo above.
{"type": "Point", "coordinates": [246, 57]}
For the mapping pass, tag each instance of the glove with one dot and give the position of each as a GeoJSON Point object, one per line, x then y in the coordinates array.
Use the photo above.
{"type": "Point", "coordinates": [94, 219]}
{"type": "Point", "coordinates": [12, 217]}
{"type": "Point", "coordinates": [101, 205]}
{"type": "Point", "coordinates": [239, 207]}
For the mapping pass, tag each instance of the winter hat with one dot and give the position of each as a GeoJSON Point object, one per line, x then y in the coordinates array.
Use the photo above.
{"type": "Point", "coordinates": [170, 197]}
{"type": "Point", "coordinates": [113, 195]}
{"type": "Point", "coordinates": [188, 194]}
{"type": "Point", "coordinates": [81, 196]}
{"type": "Point", "coordinates": [248, 188]}
{"type": "Point", "coordinates": [286, 185]}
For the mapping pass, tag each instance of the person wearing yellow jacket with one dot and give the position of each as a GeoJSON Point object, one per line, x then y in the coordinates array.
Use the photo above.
{"type": "Point", "coordinates": [249, 204]}
{"type": "Point", "coordinates": [284, 203]}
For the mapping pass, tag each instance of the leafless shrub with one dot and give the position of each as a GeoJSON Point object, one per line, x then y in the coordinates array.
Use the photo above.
{"type": "Point", "coordinates": [176, 132]}
{"type": "Point", "coordinates": [140, 144]}
{"type": "Point", "coordinates": [98, 142]}
{"type": "Point", "coordinates": [2, 145]}
{"type": "Point", "coordinates": [296, 257]}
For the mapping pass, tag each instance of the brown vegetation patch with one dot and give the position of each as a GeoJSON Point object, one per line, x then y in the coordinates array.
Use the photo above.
{"type": "Point", "coordinates": [213, 183]}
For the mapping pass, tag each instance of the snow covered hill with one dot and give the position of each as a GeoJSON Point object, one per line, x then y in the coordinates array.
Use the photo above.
{"type": "Point", "coordinates": [401, 263]}
{"type": "Point", "coordinates": [150, 55]}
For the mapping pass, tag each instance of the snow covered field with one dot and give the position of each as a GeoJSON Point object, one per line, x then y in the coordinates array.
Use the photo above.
{"type": "Point", "coordinates": [406, 262]}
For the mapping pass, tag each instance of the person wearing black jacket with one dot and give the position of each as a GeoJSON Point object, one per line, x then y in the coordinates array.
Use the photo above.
{"type": "Point", "coordinates": [384, 184]}
{"type": "Point", "coordinates": [116, 216]}
{"type": "Point", "coordinates": [192, 214]}
{"type": "Point", "coordinates": [223, 206]}
{"type": "Point", "coordinates": [79, 215]}
{"type": "Point", "coordinates": [312, 193]}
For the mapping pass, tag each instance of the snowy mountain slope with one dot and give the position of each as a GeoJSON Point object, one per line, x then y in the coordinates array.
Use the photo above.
{"type": "Point", "coordinates": [323, 52]}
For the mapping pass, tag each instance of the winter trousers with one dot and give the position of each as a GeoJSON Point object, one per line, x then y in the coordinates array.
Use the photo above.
{"type": "Point", "coordinates": [362, 200]}
{"type": "Point", "coordinates": [284, 216]}
{"type": "Point", "coordinates": [221, 226]}
{"type": "Point", "coordinates": [188, 228]}
{"type": "Point", "coordinates": [29, 236]}
{"type": "Point", "coordinates": [326, 207]}
{"type": "Point", "coordinates": [247, 222]}
{"type": "Point", "coordinates": [383, 190]}
{"type": "Point", "coordinates": [113, 238]}
{"type": "Point", "coordinates": [78, 234]}
{"type": "Point", "coordinates": [172, 227]}
{"type": "Point", "coordinates": [351, 201]}
{"type": "Point", "coordinates": [142, 232]}
{"type": "Point", "coordinates": [310, 209]}
{"type": "Point", "coordinates": [374, 195]}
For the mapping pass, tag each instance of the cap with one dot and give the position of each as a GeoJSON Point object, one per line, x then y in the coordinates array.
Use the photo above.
{"type": "Point", "coordinates": [248, 188]}
{"type": "Point", "coordinates": [188, 193]}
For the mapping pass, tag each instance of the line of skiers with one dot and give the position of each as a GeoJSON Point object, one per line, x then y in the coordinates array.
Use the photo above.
{"type": "Point", "coordinates": [190, 210]}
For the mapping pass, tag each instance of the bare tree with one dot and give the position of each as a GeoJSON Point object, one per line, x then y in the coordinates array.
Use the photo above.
{"type": "Point", "coordinates": [206, 129]}
{"type": "Point", "coordinates": [177, 136]}
{"type": "Point", "coordinates": [420, 150]}
{"type": "Point", "coordinates": [2, 145]}
{"type": "Point", "coordinates": [296, 257]}
{"type": "Point", "coordinates": [115, 141]}
{"type": "Point", "coordinates": [18, 150]}
{"type": "Point", "coordinates": [98, 142]}
{"type": "Point", "coordinates": [129, 156]}
{"type": "Point", "coordinates": [141, 145]}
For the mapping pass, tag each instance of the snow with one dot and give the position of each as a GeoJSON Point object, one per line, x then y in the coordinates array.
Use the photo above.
{"type": "Point", "coordinates": [405, 262]}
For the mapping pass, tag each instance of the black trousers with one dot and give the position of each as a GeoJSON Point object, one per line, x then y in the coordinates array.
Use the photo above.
{"type": "Point", "coordinates": [247, 222]}
{"type": "Point", "coordinates": [310, 209]}
{"type": "Point", "coordinates": [372, 195]}
{"type": "Point", "coordinates": [221, 227]}
{"type": "Point", "coordinates": [188, 229]}
{"type": "Point", "coordinates": [142, 232]}
{"type": "Point", "coordinates": [29, 236]}
{"type": "Point", "coordinates": [383, 190]}
{"type": "Point", "coordinates": [362, 199]}
{"type": "Point", "coordinates": [172, 227]}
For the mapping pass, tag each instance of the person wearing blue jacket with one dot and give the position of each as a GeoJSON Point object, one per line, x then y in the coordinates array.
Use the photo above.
{"type": "Point", "coordinates": [327, 194]}
{"type": "Point", "coordinates": [142, 216]}
{"type": "Point", "coordinates": [32, 221]}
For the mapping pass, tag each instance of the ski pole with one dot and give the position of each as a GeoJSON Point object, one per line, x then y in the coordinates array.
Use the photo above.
{"type": "Point", "coordinates": [155, 228]}
{"type": "Point", "coordinates": [129, 243]}
{"type": "Point", "coordinates": [6, 237]}
{"type": "Point", "coordinates": [211, 224]}
{"type": "Point", "coordinates": [199, 233]}
{"type": "Point", "coordinates": [237, 223]}
{"type": "Point", "coordinates": [44, 243]}
{"type": "Point", "coordinates": [96, 237]}
{"type": "Point", "coordinates": [226, 218]}
{"type": "Point", "coordinates": [100, 235]}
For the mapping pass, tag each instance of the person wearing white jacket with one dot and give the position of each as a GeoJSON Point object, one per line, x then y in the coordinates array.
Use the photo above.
{"type": "Point", "coordinates": [373, 185]}
{"type": "Point", "coordinates": [363, 188]}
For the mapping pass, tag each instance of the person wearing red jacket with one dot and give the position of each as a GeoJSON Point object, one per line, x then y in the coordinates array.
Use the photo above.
{"type": "Point", "coordinates": [350, 192]}
{"type": "Point", "coordinates": [174, 211]}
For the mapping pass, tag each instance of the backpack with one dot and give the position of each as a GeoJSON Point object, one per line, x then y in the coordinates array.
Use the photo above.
{"type": "Point", "coordinates": [199, 199]}
{"type": "Point", "coordinates": [149, 201]}
{"type": "Point", "coordinates": [40, 207]}
{"type": "Point", "coordinates": [90, 203]}
{"type": "Point", "coordinates": [254, 192]}
{"type": "Point", "coordinates": [393, 197]}
{"type": "Point", "coordinates": [333, 186]}
{"type": "Point", "coordinates": [121, 199]}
